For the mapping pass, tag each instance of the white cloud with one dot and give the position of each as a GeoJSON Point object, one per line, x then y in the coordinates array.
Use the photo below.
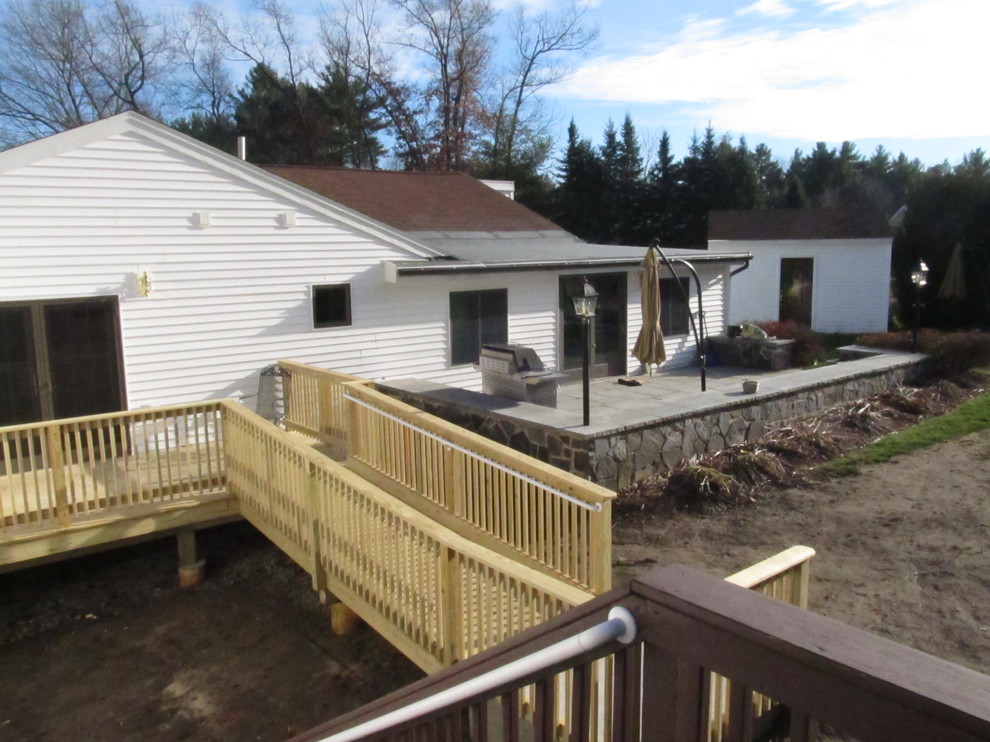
{"type": "Point", "coordinates": [911, 71]}
{"type": "Point", "coordinates": [772, 8]}
{"type": "Point", "coordinates": [833, 5]}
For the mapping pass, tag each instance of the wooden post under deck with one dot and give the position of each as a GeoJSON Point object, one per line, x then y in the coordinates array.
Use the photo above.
{"type": "Point", "coordinates": [192, 571]}
{"type": "Point", "coordinates": [343, 620]}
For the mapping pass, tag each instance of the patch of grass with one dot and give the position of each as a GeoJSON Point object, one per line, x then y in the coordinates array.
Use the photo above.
{"type": "Point", "coordinates": [969, 417]}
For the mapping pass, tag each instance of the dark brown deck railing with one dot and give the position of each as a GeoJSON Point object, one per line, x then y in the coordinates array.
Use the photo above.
{"type": "Point", "coordinates": [689, 624]}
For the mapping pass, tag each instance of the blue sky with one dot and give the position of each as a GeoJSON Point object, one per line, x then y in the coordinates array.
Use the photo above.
{"type": "Point", "coordinates": [908, 74]}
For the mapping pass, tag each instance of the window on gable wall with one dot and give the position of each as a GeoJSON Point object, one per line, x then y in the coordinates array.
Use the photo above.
{"type": "Point", "coordinates": [332, 305]}
{"type": "Point", "coordinates": [674, 313]}
{"type": "Point", "coordinates": [476, 318]}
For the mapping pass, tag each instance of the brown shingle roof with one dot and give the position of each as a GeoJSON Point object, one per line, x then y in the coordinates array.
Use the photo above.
{"type": "Point", "coordinates": [791, 224]}
{"type": "Point", "coordinates": [418, 202]}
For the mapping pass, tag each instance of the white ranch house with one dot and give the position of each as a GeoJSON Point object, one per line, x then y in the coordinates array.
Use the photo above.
{"type": "Point", "coordinates": [141, 267]}
{"type": "Point", "coordinates": [827, 268]}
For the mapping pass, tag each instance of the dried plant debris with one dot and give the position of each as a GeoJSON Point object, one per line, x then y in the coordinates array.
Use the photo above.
{"type": "Point", "coordinates": [910, 401]}
{"type": "Point", "coordinates": [742, 473]}
{"type": "Point", "coordinates": [699, 488]}
{"type": "Point", "coordinates": [807, 441]}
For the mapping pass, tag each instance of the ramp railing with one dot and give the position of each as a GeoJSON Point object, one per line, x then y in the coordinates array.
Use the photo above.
{"type": "Point", "coordinates": [512, 503]}
{"type": "Point", "coordinates": [437, 596]}
{"type": "Point", "coordinates": [314, 404]}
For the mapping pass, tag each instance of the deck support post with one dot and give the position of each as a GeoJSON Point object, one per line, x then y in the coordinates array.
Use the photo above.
{"type": "Point", "coordinates": [192, 570]}
{"type": "Point", "coordinates": [343, 620]}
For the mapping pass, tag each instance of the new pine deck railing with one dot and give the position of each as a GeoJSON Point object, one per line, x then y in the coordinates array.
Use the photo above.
{"type": "Point", "coordinates": [512, 503]}
{"type": "Point", "coordinates": [437, 596]}
{"type": "Point", "coordinates": [690, 625]}
{"type": "Point", "coordinates": [95, 472]}
{"type": "Point", "coordinates": [315, 405]}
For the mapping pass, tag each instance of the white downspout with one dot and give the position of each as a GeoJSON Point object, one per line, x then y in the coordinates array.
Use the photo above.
{"type": "Point", "coordinates": [621, 625]}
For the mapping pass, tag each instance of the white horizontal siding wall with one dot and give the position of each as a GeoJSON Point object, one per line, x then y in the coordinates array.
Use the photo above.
{"type": "Point", "coordinates": [851, 284]}
{"type": "Point", "coordinates": [227, 299]}
{"type": "Point", "coordinates": [230, 298]}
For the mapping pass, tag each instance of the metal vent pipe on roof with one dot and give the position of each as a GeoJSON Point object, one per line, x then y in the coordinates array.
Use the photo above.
{"type": "Point", "coordinates": [242, 148]}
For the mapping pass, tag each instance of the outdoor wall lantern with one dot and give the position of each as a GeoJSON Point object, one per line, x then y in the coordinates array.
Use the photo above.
{"type": "Point", "coordinates": [919, 277]}
{"type": "Point", "coordinates": [584, 307]}
{"type": "Point", "coordinates": [144, 283]}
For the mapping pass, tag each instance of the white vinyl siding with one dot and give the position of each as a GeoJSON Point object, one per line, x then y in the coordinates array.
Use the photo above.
{"type": "Point", "coordinates": [850, 290]}
{"type": "Point", "coordinates": [233, 297]}
{"type": "Point", "coordinates": [227, 299]}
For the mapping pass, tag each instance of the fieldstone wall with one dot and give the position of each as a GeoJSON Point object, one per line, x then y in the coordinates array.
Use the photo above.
{"type": "Point", "coordinates": [623, 456]}
{"type": "Point", "coordinates": [619, 457]}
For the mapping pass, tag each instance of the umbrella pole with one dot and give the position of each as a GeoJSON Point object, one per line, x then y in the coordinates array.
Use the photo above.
{"type": "Point", "coordinates": [698, 340]}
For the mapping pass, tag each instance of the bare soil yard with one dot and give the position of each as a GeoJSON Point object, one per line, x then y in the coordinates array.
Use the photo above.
{"type": "Point", "coordinates": [902, 547]}
{"type": "Point", "coordinates": [106, 647]}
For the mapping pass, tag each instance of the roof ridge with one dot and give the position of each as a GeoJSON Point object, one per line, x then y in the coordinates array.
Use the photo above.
{"type": "Point", "coordinates": [365, 171]}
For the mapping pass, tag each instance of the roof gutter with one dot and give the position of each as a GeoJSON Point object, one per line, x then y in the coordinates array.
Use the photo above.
{"type": "Point", "coordinates": [394, 269]}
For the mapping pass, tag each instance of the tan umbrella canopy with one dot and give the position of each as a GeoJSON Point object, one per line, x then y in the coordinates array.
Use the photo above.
{"type": "Point", "coordinates": [954, 284]}
{"type": "Point", "coordinates": [649, 345]}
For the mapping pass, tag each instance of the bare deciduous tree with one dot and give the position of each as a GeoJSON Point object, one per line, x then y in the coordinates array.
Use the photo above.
{"type": "Point", "coordinates": [206, 87]}
{"type": "Point", "coordinates": [64, 63]}
{"type": "Point", "coordinates": [354, 45]}
{"type": "Point", "coordinates": [454, 37]}
{"type": "Point", "coordinates": [541, 46]}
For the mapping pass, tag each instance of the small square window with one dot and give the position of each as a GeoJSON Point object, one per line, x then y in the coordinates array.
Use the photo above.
{"type": "Point", "coordinates": [332, 305]}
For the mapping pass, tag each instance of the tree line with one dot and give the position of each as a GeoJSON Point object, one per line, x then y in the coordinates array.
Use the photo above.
{"type": "Point", "coordinates": [619, 193]}
{"type": "Point", "coordinates": [425, 76]}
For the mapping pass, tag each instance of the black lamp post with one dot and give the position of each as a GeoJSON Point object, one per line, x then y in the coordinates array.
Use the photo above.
{"type": "Point", "coordinates": [584, 307]}
{"type": "Point", "coordinates": [919, 277]}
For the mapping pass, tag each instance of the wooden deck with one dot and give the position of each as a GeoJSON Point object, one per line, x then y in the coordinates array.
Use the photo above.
{"type": "Point", "coordinates": [83, 482]}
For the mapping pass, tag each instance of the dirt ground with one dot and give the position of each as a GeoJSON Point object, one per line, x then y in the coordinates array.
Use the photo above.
{"type": "Point", "coordinates": [902, 547]}
{"type": "Point", "coordinates": [107, 647]}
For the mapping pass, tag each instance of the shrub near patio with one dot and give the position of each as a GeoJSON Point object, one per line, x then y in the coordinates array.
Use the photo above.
{"type": "Point", "coordinates": [951, 352]}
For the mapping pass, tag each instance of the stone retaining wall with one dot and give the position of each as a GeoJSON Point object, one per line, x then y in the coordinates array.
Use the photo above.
{"type": "Point", "coordinates": [618, 457]}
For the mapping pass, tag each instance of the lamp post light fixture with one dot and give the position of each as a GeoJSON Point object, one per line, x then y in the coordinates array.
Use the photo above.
{"type": "Point", "coordinates": [584, 307]}
{"type": "Point", "coordinates": [919, 277]}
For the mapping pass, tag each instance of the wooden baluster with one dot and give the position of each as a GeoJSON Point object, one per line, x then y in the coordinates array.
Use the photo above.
{"type": "Point", "coordinates": [677, 697]}
{"type": "Point", "coordinates": [56, 461]}
{"type": "Point", "coordinates": [580, 703]}
{"type": "Point", "coordinates": [601, 548]}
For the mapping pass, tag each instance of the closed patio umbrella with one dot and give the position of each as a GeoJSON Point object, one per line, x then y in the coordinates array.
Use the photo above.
{"type": "Point", "coordinates": [954, 284]}
{"type": "Point", "coordinates": [649, 349]}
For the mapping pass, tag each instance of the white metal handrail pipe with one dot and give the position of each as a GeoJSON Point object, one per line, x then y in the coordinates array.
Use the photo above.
{"type": "Point", "coordinates": [594, 507]}
{"type": "Point", "coordinates": [620, 626]}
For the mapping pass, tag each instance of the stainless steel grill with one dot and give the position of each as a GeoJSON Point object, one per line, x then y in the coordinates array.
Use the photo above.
{"type": "Point", "coordinates": [516, 372]}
